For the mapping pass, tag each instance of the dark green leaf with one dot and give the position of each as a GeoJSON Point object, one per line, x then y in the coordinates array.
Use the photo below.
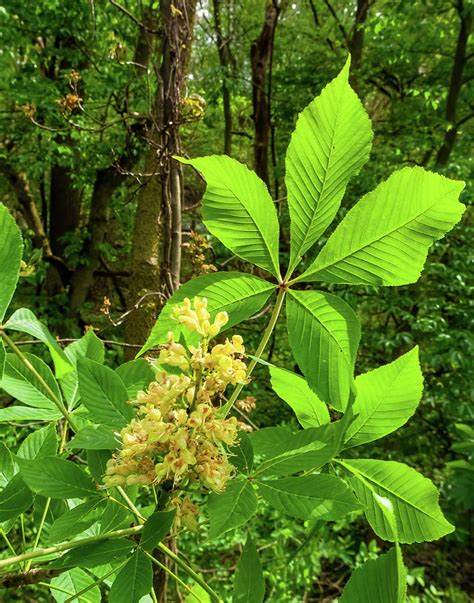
{"type": "Point", "coordinates": [249, 585]}
{"type": "Point", "coordinates": [15, 498]}
{"type": "Point", "coordinates": [77, 519]}
{"type": "Point", "coordinates": [95, 553]}
{"type": "Point", "coordinates": [233, 508]}
{"type": "Point", "coordinates": [156, 527]}
{"type": "Point", "coordinates": [136, 375]}
{"type": "Point", "coordinates": [39, 444]}
{"type": "Point", "coordinates": [133, 581]}
{"type": "Point", "coordinates": [95, 437]}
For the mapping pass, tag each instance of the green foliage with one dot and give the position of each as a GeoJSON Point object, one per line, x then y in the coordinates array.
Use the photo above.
{"type": "Point", "coordinates": [11, 249]}
{"type": "Point", "coordinates": [383, 240]}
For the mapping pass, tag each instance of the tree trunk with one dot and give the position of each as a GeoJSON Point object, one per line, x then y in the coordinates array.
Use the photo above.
{"type": "Point", "coordinates": [261, 55]}
{"type": "Point", "coordinates": [107, 181]}
{"type": "Point", "coordinates": [356, 42]}
{"type": "Point", "coordinates": [455, 86]}
{"type": "Point", "coordinates": [156, 256]}
{"type": "Point", "coordinates": [225, 61]}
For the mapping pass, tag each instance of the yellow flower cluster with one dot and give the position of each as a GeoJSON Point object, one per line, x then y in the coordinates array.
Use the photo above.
{"type": "Point", "coordinates": [178, 435]}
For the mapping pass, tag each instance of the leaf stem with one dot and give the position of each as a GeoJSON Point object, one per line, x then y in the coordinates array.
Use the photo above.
{"type": "Point", "coordinates": [66, 546]}
{"type": "Point", "coordinates": [56, 401]}
{"type": "Point", "coordinates": [261, 348]}
{"type": "Point", "coordinates": [171, 573]}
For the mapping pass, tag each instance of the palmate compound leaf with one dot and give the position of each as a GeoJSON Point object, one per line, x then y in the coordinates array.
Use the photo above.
{"type": "Point", "coordinates": [238, 294]}
{"type": "Point", "coordinates": [238, 210]}
{"type": "Point", "coordinates": [324, 334]}
{"type": "Point", "coordinates": [414, 499]}
{"type": "Point", "coordinates": [384, 239]}
{"type": "Point", "coordinates": [11, 250]}
{"type": "Point", "coordinates": [294, 390]}
{"type": "Point", "coordinates": [249, 584]}
{"type": "Point", "coordinates": [386, 398]}
{"type": "Point", "coordinates": [329, 145]}
{"type": "Point", "coordinates": [317, 496]}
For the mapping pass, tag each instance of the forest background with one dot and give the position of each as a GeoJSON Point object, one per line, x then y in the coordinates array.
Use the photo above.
{"type": "Point", "coordinates": [96, 98]}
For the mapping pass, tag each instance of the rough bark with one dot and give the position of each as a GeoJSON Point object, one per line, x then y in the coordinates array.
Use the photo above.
{"type": "Point", "coordinates": [356, 41]}
{"type": "Point", "coordinates": [455, 85]}
{"type": "Point", "coordinates": [223, 49]}
{"type": "Point", "coordinates": [261, 55]}
{"type": "Point", "coordinates": [107, 181]}
{"type": "Point", "coordinates": [156, 256]}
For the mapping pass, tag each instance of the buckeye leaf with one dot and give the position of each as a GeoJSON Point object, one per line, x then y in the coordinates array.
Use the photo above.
{"type": "Point", "coordinates": [77, 520]}
{"type": "Point", "coordinates": [232, 508]}
{"type": "Point", "coordinates": [39, 444]}
{"type": "Point", "coordinates": [103, 393]}
{"type": "Point", "coordinates": [15, 498]}
{"type": "Point", "coordinates": [381, 580]}
{"type": "Point", "coordinates": [384, 239]}
{"type": "Point", "coordinates": [386, 398]}
{"type": "Point", "coordinates": [73, 582]}
{"type": "Point", "coordinates": [21, 383]}
{"type": "Point", "coordinates": [249, 584]}
{"type": "Point", "coordinates": [55, 477]}
{"type": "Point", "coordinates": [88, 346]}
{"type": "Point", "coordinates": [238, 294]}
{"type": "Point", "coordinates": [11, 250]}
{"type": "Point", "coordinates": [330, 144]}
{"type": "Point", "coordinates": [25, 321]}
{"type": "Point", "coordinates": [414, 499]}
{"type": "Point", "coordinates": [26, 413]}
{"type": "Point", "coordinates": [238, 210]}
{"type": "Point", "coordinates": [95, 437]}
{"type": "Point", "coordinates": [156, 528]}
{"type": "Point", "coordinates": [133, 581]}
{"type": "Point", "coordinates": [324, 334]}
{"type": "Point", "coordinates": [136, 376]}
{"type": "Point", "coordinates": [93, 554]}
{"type": "Point", "coordinates": [318, 496]}
{"type": "Point", "coordinates": [294, 390]}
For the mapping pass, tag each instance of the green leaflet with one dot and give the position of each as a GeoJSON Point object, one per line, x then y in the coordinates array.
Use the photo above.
{"type": "Point", "coordinates": [74, 581]}
{"type": "Point", "coordinates": [11, 251]}
{"type": "Point", "coordinates": [21, 383]}
{"type": "Point", "coordinates": [93, 554]}
{"type": "Point", "coordinates": [77, 520]}
{"type": "Point", "coordinates": [249, 584]}
{"type": "Point", "coordinates": [26, 413]}
{"type": "Point", "coordinates": [239, 211]}
{"type": "Point", "coordinates": [88, 346]}
{"type": "Point", "coordinates": [317, 496]}
{"type": "Point", "coordinates": [156, 528]}
{"type": "Point", "coordinates": [55, 477]}
{"type": "Point", "coordinates": [15, 498]}
{"type": "Point", "coordinates": [3, 358]}
{"type": "Point", "coordinates": [386, 398]}
{"type": "Point", "coordinates": [39, 444]}
{"type": "Point", "coordinates": [25, 321]}
{"type": "Point", "coordinates": [381, 580]}
{"type": "Point", "coordinates": [414, 498]}
{"type": "Point", "coordinates": [233, 508]}
{"type": "Point", "coordinates": [324, 335]}
{"type": "Point", "coordinates": [136, 376]}
{"type": "Point", "coordinates": [95, 437]}
{"type": "Point", "coordinates": [7, 466]}
{"type": "Point", "coordinates": [240, 295]}
{"type": "Point", "coordinates": [103, 394]}
{"type": "Point", "coordinates": [329, 145]}
{"type": "Point", "coordinates": [384, 239]}
{"type": "Point", "coordinates": [294, 390]}
{"type": "Point", "coordinates": [133, 581]}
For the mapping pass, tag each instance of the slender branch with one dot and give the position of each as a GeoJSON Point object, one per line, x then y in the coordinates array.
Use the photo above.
{"type": "Point", "coordinates": [266, 336]}
{"type": "Point", "coordinates": [171, 573]}
{"type": "Point", "coordinates": [66, 546]}
{"type": "Point", "coordinates": [40, 379]}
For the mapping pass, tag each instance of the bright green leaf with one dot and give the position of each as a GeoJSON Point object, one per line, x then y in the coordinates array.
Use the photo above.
{"type": "Point", "coordinates": [25, 321]}
{"type": "Point", "coordinates": [318, 496]}
{"type": "Point", "coordinates": [136, 376]}
{"type": "Point", "coordinates": [414, 499]}
{"type": "Point", "coordinates": [39, 444]}
{"type": "Point", "coordinates": [74, 581]}
{"type": "Point", "coordinates": [233, 508]}
{"type": "Point", "coordinates": [56, 478]}
{"type": "Point", "coordinates": [103, 394]}
{"type": "Point", "coordinates": [156, 527]}
{"type": "Point", "coordinates": [11, 251]}
{"type": "Point", "coordinates": [22, 384]}
{"type": "Point", "coordinates": [324, 334]}
{"type": "Point", "coordinates": [241, 455]}
{"type": "Point", "coordinates": [381, 580]}
{"type": "Point", "coordinates": [294, 390]}
{"type": "Point", "coordinates": [238, 210]}
{"type": "Point", "coordinates": [384, 239]}
{"type": "Point", "coordinates": [133, 581]}
{"type": "Point", "coordinates": [95, 437]}
{"type": "Point", "coordinates": [329, 145]}
{"type": "Point", "coordinates": [15, 498]}
{"type": "Point", "coordinates": [26, 413]}
{"type": "Point", "coordinates": [249, 584]}
{"type": "Point", "coordinates": [238, 294]}
{"type": "Point", "coordinates": [386, 398]}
